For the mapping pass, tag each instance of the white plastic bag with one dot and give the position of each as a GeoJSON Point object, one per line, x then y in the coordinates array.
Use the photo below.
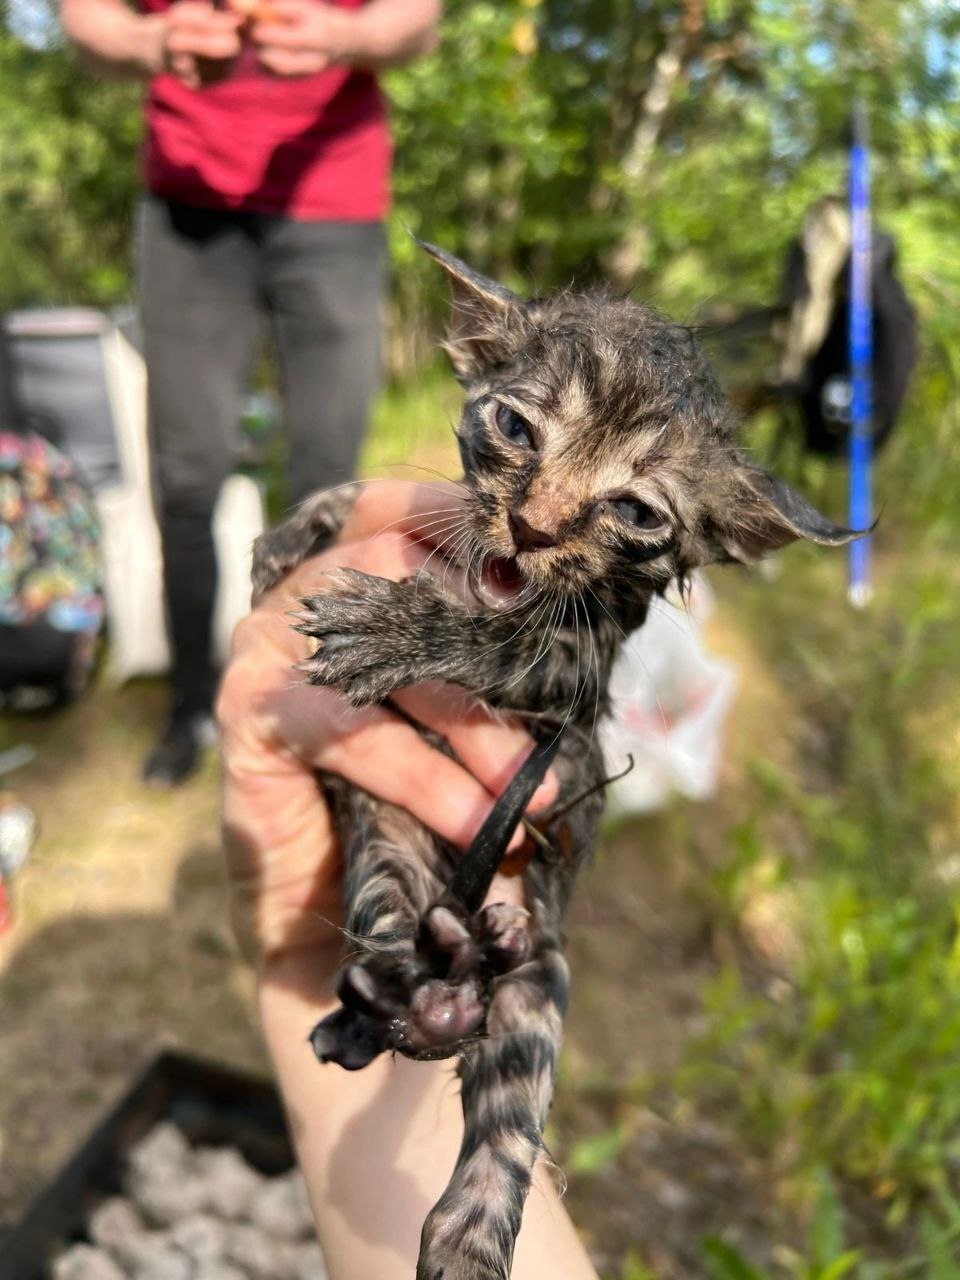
{"type": "Point", "coordinates": [669, 702]}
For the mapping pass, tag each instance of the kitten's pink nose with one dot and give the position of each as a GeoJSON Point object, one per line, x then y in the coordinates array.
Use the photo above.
{"type": "Point", "coordinates": [526, 537]}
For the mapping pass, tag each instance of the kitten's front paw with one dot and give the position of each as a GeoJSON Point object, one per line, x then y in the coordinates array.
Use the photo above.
{"type": "Point", "coordinates": [356, 626]}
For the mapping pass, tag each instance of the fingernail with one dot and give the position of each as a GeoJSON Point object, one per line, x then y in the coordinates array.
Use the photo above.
{"type": "Point", "coordinates": [516, 840]}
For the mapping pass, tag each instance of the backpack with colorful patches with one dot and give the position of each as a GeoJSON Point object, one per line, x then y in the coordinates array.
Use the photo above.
{"type": "Point", "coordinates": [51, 580]}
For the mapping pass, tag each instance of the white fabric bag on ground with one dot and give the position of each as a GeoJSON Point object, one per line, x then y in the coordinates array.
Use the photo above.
{"type": "Point", "coordinates": [669, 702]}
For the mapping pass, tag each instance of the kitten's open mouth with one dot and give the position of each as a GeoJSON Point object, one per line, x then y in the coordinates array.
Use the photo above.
{"type": "Point", "coordinates": [499, 582]}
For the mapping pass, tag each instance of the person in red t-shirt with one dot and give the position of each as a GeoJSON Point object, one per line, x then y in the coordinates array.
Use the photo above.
{"type": "Point", "coordinates": [267, 171]}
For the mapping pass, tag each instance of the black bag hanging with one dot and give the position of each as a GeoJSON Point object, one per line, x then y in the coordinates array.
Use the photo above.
{"type": "Point", "coordinates": [816, 363]}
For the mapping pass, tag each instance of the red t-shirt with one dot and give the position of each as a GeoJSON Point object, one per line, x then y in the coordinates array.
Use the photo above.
{"type": "Point", "coordinates": [311, 148]}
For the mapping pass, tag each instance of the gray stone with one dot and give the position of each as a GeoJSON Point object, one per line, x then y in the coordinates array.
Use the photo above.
{"type": "Point", "coordinates": [219, 1271]}
{"type": "Point", "coordinates": [257, 1254]}
{"type": "Point", "coordinates": [281, 1208]}
{"type": "Point", "coordinates": [164, 1197]}
{"type": "Point", "coordinates": [141, 1250]}
{"type": "Point", "coordinates": [164, 1147]}
{"type": "Point", "coordinates": [231, 1183]}
{"type": "Point", "coordinates": [136, 1251]}
{"type": "Point", "coordinates": [201, 1236]}
{"type": "Point", "coordinates": [311, 1264]}
{"type": "Point", "coordinates": [166, 1264]}
{"type": "Point", "coordinates": [115, 1224]}
{"type": "Point", "coordinates": [83, 1262]}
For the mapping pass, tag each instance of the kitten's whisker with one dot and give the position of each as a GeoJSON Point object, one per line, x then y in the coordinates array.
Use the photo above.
{"type": "Point", "coordinates": [661, 710]}
{"type": "Point", "coordinates": [607, 611]}
{"type": "Point", "coordinates": [454, 560]}
{"type": "Point", "coordinates": [430, 471]}
{"type": "Point", "coordinates": [337, 488]}
{"type": "Point", "coordinates": [576, 679]}
{"type": "Point", "coordinates": [534, 620]}
{"type": "Point", "coordinates": [447, 545]}
{"type": "Point", "coordinates": [446, 553]}
{"type": "Point", "coordinates": [442, 514]}
{"type": "Point", "coordinates": [593, 663]}
{"type": "Point", "coordinates": [553, 626]}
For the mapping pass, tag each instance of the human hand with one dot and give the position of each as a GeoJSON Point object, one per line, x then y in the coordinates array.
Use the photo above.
{"type": "Point", "coordinates": [300, 37]}
{"type": "Point", "coordinates": [283, 859]}
{"type": "Point", "coordinates": [397, 1124]}
{"type": "Point", "coordinates": [199, 42]}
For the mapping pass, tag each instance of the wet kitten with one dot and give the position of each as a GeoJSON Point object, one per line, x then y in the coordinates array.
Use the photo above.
{"type": "Point", "coordinates": [599, 465]}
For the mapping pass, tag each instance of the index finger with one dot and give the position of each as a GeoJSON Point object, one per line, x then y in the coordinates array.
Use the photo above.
{"type": "Point", "coordinates": [200, 16]}
{"type": "Point", "coordinates": [490, 746]}
{"type": "Point", "coordinates": [384, 755]}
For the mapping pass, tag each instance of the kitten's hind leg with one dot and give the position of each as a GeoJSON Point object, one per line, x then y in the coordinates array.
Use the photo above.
{"type": "Point", "coordinates": [420, 971]}
{"type": "Point", "coordinates": [507, 1087]}
{"type": "Point", "coordinates": [394, 871]}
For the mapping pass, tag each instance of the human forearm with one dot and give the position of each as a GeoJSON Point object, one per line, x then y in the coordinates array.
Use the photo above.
{"type": "Point", "coordinates": [299, 37]}
{"type": "Point", "coordinates": [377, 1146]}
{"type": "Point", "coordinates": [111, 40]}
{"type": "Point", "coordinates": [387, 33]}
{"type": "Point", "coordinates": [191, 39]}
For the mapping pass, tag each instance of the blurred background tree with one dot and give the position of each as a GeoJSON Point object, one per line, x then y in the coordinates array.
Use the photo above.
{"type": "Point", "coordinates": [672, 146]}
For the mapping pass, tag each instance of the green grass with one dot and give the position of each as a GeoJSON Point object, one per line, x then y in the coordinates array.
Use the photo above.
{"type": "Point", "coordinates": [846, 1066]}
{"type": "Point", "coordinates": [414, 421]}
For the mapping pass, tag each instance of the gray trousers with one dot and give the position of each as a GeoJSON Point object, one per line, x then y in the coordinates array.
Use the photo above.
{"type": "Point", "coordinates": [210, 282]}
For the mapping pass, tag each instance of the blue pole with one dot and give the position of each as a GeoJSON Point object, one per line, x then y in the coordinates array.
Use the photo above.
{"type": "Point", "coordinates": [861, 360]}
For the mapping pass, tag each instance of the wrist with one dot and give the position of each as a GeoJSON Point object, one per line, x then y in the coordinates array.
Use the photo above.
{"type": "Point", "coordinates": [350, 37]}
{"type": "Point", "coordinates": [151, 56]}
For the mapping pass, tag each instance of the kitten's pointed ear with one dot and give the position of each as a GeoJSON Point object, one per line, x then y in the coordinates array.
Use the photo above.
{"type": "Point", "coordinates": [766, 513]}
{"type": "Point", "coordinates": [488, 321]}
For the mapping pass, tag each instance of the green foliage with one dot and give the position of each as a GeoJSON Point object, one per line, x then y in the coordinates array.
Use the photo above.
{"type": "Point", "coordinates": [846, 1065]}
{"type": "Point", "coordinates": [825, 1258]}
{"type": "Point", "coordinates": [552, 139]}
{"type": "Point", "coordinates": [634, 1268]}
{"type": "Point", "coordinates": [597, 1151]}
{"type": "Point", "coordinates": [68, 178]}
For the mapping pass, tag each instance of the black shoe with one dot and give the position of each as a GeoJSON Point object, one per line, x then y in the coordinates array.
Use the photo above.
{"type": "Point", "coordinates": [178, 754]}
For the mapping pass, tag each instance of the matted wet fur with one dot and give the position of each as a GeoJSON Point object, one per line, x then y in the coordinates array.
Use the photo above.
{"type": "Point", "coordinates": [599, 466]}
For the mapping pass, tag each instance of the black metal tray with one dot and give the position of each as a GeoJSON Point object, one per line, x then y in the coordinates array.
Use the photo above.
{"type": "Point", "coordinates": [212, 1104]}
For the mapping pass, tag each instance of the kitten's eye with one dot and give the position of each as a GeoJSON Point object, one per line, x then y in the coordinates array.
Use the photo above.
{"type": "Point", "coordinates": [515, 428]}
{"type": "Point", "coordinates": [637, 514]}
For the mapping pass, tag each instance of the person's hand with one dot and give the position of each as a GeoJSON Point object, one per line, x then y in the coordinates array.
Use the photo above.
{"type": "Point", "coordinates": [199, 42]}
{"type": "Point", "coordinates": [397, 1124]}
{"type": "Point", "coordinates": [283, 859]}
{"type": "Point", "coordinates": [300, 37]}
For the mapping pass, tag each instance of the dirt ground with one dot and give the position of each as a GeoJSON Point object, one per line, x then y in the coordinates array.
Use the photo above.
{"type": "Point", "coordinates": [121, 946]}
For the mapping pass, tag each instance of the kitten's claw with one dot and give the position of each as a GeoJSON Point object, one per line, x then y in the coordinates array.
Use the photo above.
{"type": "Point", "coordinates": [505, 935]}
{"type": "Point", "coordinates": [355, 626]}
{"type": "Point", "coordinates": [349, 1038]}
